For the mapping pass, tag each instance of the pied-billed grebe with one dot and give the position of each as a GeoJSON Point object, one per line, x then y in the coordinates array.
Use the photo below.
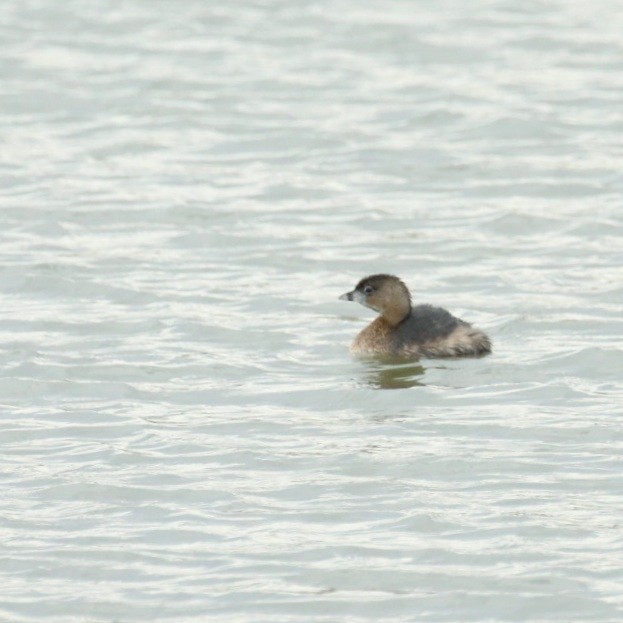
{"type": "Point", "coordinates": [402, 329]}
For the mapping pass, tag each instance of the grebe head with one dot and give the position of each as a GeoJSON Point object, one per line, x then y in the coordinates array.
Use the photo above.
{"type": "Point", "coordinates": [385, 294]}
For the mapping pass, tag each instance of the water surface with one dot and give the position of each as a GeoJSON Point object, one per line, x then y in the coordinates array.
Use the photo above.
{"type": "Point", "coordinates": [186, 190]}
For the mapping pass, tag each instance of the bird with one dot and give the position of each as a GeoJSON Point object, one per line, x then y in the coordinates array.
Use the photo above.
{"type": "Point", "coordinates": [403, 329]}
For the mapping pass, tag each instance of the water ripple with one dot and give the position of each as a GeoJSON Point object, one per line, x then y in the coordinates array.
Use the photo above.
{"type": "Point", "coordinates": [186, 191]}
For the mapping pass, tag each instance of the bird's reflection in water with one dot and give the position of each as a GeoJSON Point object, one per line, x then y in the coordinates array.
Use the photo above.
{"type": "Point", "coordinates": [393, 373]}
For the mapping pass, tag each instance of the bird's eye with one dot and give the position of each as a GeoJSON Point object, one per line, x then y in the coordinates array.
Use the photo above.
{"type": "Point", "coordinates": [368, 290]}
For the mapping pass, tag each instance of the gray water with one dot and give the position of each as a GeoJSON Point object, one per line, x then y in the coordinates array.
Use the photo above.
{"type": "Point", "coordinates": [186, 189]}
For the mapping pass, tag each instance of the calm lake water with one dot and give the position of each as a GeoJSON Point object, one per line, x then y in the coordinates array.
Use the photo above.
{"type": "Point", "coordinates": [186, 189]}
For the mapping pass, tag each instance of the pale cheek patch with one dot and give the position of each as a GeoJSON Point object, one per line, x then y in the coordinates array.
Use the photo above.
{"type": "Point", "coordinates": [361, 298]}
{"type": "Point", "coordinates": [370, 306]}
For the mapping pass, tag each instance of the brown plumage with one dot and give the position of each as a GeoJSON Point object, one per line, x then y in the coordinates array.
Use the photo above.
{"type": "Point", "coordinates": [401, 329]}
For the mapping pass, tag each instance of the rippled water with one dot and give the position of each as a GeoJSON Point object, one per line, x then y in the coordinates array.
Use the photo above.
{"type": "Point", "coordinates": [186, 190]}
